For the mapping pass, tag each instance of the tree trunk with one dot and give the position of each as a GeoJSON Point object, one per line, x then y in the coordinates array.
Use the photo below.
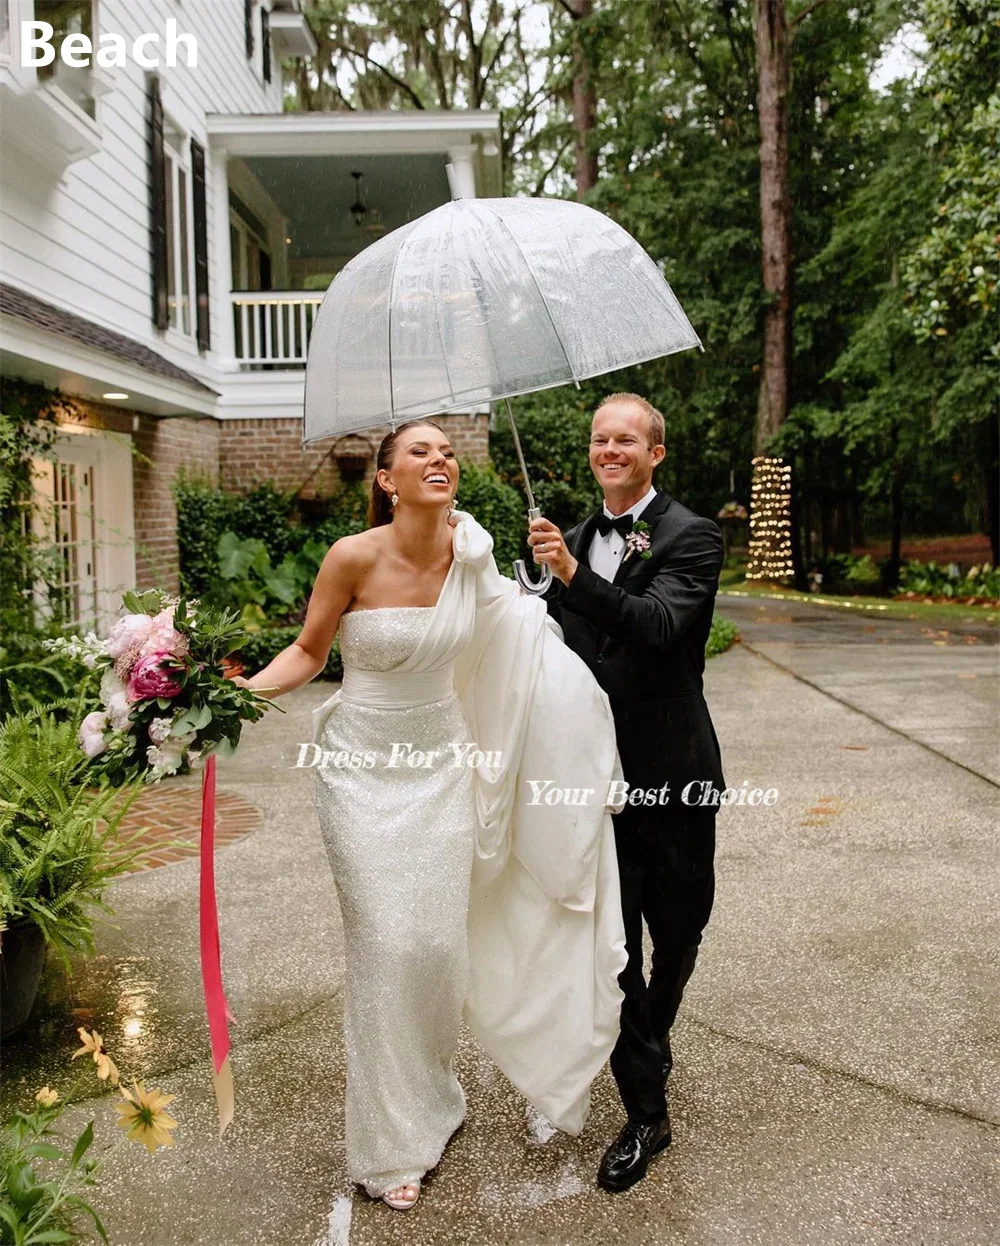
{"type": "Point", "coordinates": [775, 218]}
{"type": "Point", "coordinates": [774, 545]}
{"type": "Point", "coordinates": [584, 102]}
{"type": "Point", "coordinates": [890, 576]}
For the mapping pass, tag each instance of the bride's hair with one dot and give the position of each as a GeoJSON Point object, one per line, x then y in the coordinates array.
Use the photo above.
{"type": "Point", "coordinates": [380, 508]}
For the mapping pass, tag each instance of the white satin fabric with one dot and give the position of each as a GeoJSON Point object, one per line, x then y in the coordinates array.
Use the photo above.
{"type": "Point", "coordinates": [546, 941]}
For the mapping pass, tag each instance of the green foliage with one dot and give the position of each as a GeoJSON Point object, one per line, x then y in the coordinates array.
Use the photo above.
{"type": "Point", "coordinates": [28, 416]}
{"type": "Point", "coordinates": [205, 512]}
{"type": "Point", "coordinates": [59, 837]}
{"type": "Point", "coordinates": [723, 636]}
{"type": "Point", "coordinates": [263, 646]}
{"type": "Point", "coordinates": [846, 573]}
{"type": "Point", "coordinates": [498, 508]}
{"type": "Point", "coordinates": [929, 580]}
{"type": "Point", "coordinates": [42, 1184]}
{"type": "Point", "coordinates": [554, 428]}
{"type": "Point", "coordinates": [247, 583]}
{"type": "Point", "coordinates": [952, 274]}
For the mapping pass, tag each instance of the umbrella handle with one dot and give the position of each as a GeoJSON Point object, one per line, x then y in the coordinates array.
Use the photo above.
{"type": "Point", "coordinates": [521, 571]}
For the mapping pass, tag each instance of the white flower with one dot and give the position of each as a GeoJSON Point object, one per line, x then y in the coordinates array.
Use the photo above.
{"type": "Point", "coordinates": [159, 729]}
{"type": "Point", "coordinates": [111, 685]}
{"type": "Point", "coordinates": [194, 758]}
{"type": "Point", "coordinates": [115, 699]}
{"type": "Point", "coordinates": [979, 271]}
{"type": "Point", "coordinates": [166, 757]}
{"type": "Point", "coordinates": [92, 651]}
{"type": "Point", "coordinates": [92, 733]}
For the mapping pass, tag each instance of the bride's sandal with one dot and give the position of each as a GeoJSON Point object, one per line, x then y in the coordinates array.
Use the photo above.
{"type": "Point", "coordinates": [410, 1192]}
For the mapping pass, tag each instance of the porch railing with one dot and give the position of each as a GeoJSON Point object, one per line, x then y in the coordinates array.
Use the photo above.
{"type": "Point", "coordinates": [274, 326]}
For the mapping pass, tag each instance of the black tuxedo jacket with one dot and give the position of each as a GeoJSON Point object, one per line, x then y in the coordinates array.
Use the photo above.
{"type": "Point", "coordinates": [643, 636]}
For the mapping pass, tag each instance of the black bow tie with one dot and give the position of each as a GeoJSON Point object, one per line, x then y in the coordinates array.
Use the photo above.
{"type": "Point", "coordinates": [622, 525]}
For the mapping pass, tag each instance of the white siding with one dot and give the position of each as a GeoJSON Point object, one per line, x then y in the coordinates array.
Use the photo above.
{"type": "Point", "coordinates": [82, 241]}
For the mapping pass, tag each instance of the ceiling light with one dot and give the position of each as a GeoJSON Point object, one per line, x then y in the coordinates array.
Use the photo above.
{"type": "Point", "coordinates": [114, 393]}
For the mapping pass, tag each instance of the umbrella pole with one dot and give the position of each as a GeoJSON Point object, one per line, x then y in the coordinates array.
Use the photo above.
{"type": "Point", "coordinates": [520, 570]}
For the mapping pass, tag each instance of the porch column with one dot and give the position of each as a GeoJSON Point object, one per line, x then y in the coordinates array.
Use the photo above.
{"type": "Point", "coordinates": [222, 263]}
{"type": "Point", "coordinates": [461, 159]}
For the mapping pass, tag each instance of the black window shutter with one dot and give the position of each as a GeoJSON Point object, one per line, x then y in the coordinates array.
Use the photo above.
{"type": "Point", "coordinates": [158, 205]}
{"type": "Point", "coordinates": [265, 43]}
{"type": "Point", "coordinates": [248, 26]}
{"type": "Point", "coordinates": [200, 219]}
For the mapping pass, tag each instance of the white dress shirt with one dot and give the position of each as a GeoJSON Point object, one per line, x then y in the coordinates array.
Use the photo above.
{"type": "Point", "coordinates": [606, 552]}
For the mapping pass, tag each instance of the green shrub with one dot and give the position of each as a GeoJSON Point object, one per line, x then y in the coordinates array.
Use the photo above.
{"type": "Point", "coordinates": [846, 573]}
{"type": "Point", "coordinates": [500, 510]}
{"type": "Point", "coordinates": [346, 513]}
{"type": "Point", "coordinates": [264, 646]}
{"type": "Point", "coordinates": [554, 428]}
{"type": "Point", "coordinates": [60, 841]}
{"type": "Point", "coordinates": [863, 572]}
{"type": "Point", "coordinates": [927, 579]}
{"type": "Point", "coordinates": [205, 512]}
{"type": "Point", "coordinates": [723, 636]}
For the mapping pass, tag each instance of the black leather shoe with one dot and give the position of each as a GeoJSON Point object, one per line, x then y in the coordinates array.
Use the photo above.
{"type": "Point", "coordinates": [627, 1158]}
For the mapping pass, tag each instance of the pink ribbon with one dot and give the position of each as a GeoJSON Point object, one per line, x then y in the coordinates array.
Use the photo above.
{"type": "Point", "coordinates": [211, 957]}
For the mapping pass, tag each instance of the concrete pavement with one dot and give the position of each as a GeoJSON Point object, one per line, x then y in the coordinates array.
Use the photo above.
{"type": "Point", "coordinates": [837, 1072]}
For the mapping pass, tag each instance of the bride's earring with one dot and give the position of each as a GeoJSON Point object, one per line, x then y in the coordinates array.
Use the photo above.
{"type": "Point", "coordinates": [394, 499]}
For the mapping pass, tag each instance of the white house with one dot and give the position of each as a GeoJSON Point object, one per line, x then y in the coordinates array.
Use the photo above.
{"type": "Point", "coordinates": [167, 235]}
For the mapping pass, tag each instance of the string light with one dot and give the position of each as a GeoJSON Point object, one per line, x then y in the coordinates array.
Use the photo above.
{"type": "Point", "coordinates": [770, 520]}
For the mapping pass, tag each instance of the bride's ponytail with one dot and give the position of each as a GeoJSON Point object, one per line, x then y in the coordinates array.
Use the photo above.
{"type": "Point", "coordinates": [379, 506]}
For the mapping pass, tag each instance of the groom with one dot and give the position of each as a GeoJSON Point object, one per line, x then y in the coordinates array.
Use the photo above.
{"type": "Point", "coordinates": [634, 589]}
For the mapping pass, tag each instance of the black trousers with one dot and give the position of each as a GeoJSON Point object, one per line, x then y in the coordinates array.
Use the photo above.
{"type": "Point", "coordinates": [666, 859]}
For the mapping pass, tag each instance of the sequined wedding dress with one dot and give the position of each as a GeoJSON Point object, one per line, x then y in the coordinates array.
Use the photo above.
{"type": "Point", "coordinates": [458, 894]}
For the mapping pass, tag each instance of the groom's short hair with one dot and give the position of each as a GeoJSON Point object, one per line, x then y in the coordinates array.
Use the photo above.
{"type": "Point", "coordinates": [657, 425]}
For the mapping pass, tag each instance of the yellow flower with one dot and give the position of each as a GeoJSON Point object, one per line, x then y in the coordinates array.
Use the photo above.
{"type": "Point", "coordinates": [47, 1098]}
{"type": "Point", "coordinates": [94, 1044]}
{"type": "Point", "coordinates": [143, 1118]}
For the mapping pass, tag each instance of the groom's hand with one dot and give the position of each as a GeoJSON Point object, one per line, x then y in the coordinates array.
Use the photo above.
{"type": "Point", "coordinates": [548, 546]}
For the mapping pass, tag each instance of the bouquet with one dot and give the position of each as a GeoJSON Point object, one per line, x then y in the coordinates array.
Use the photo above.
{"type": "Point", "coordinates": [166, 702]}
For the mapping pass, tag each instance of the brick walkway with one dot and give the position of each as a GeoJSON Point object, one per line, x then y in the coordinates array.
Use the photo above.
{"type": "Point", "coordinates": [172, 815]}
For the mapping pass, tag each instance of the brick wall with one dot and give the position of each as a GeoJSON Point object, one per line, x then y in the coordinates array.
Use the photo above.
{"type": "Point", "coordinates": [165, 445]}
{"type": "Point", "coordinates": [251, 451]}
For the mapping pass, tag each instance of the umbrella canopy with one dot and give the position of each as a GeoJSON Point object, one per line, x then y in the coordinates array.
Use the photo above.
{"type": "Point", "coordinates": [479, 300]}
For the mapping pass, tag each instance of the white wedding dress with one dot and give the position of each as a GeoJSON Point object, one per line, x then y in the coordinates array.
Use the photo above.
{"type": "Point", "coordinates": [459, 895]}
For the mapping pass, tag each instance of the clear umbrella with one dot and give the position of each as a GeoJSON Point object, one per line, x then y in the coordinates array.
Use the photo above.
{"type": "Point", "coordinates": [480, 300]}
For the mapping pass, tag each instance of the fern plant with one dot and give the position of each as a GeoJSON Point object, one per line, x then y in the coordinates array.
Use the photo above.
{"type": "Point", "coordinates": [60, 842]}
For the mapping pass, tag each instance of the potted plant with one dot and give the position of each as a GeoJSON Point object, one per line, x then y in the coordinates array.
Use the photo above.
{"type": "Point", "coordinates": [59, 848]}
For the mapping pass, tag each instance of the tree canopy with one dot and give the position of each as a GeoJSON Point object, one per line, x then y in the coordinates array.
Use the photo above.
{"type": "Point", "coordinates": [894, 192]}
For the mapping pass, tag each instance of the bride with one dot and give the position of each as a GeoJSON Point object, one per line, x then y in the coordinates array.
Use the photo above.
{"type": "Point", "coordinates": [465, 888]}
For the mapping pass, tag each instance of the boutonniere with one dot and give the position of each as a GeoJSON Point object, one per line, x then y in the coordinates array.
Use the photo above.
{"type": "Point", "coordinates": [637, 541]}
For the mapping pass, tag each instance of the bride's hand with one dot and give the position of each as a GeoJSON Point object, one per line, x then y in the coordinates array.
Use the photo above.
{"type": "Point", "coordinates": [240, 682]}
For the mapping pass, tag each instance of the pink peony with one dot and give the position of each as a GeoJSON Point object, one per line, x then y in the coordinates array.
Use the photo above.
{"type": "Point", "coordinates": [150, 679]}
{"type": "Point", "coordinates": [92, 733]}
{"type": "Point", "coordinates": [128, 633]}
{"type": "Point", "coordinates": [163, 637]}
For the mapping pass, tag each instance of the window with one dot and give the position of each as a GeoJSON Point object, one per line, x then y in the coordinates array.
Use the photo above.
{"type": "Point", "coordinates": [69, 17]}
{"type": "Point", "coordinates": [248, 27]}
{"type": "Point", "coordinates": [180, 247]}
{"type": "Point", "coordinates": [265, 44]}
